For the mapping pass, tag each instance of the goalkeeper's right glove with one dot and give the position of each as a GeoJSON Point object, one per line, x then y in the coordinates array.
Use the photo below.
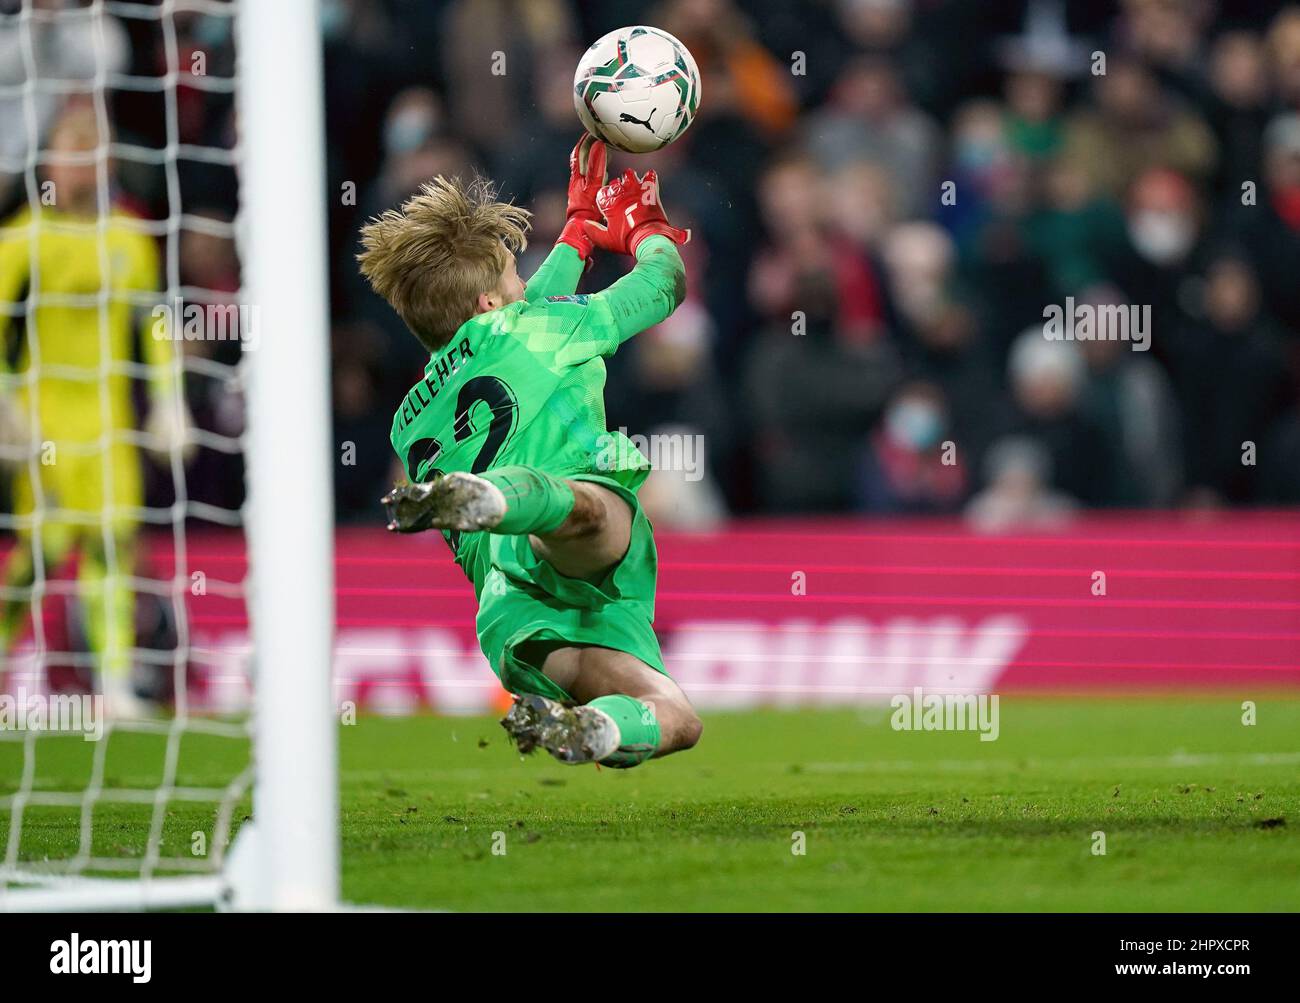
{"type": "Point", "coordinates": [586, 177]}
{"type": "Point", "coordinates": [632, 212]}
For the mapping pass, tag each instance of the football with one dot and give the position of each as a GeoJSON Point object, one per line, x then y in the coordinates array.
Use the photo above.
{"type": "Point", "coordinates": [637, 88]}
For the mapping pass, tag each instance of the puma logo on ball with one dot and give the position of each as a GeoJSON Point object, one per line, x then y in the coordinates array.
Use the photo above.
{"type": "Point", "coordinates": [625, 117]}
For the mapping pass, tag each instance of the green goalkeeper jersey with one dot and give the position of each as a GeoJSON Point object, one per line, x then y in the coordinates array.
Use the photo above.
{"type": "Point", "coordinates": [524, 384]}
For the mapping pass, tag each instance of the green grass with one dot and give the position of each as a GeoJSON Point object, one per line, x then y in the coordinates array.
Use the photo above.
{"type": "Point", "coordinates": [1188, 799]}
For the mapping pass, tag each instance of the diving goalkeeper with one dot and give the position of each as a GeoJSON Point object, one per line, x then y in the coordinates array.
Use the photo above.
{"type": "Point", "coordinates": [505, 445]}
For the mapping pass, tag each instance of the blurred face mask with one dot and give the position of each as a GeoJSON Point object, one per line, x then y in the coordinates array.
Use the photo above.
{"type": "Point", "coordinates": [981, 159]}
{"type": "Point", "coordinates": [212, 31]}
{"type": "Point", "coordinates": [407, 131]}
{"type": "Point", "coordinates": [978, 155]}
{"type": "Point", "coordinates": [1161, 237]}
{"type": "Point", "coordinates": [915, 424]}
{"type": "Point", "coordinates": [334, 18]}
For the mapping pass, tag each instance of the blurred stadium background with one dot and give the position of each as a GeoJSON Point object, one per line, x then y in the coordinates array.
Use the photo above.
{"type": "Point", "coordinates": [812, 180]}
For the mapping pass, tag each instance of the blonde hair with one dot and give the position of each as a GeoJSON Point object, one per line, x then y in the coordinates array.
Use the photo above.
{"type": "Point", "coordinates": [431, 258]}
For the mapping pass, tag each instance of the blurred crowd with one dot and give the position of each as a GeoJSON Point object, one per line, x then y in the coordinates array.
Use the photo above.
{"type": "Point", "coordinates": [885, 196]}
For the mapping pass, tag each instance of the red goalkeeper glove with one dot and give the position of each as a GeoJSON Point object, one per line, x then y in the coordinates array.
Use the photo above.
{"type": "Point", "coordinates": [632, 212]}
{"type": "Point", "coordinates": [586, 176]}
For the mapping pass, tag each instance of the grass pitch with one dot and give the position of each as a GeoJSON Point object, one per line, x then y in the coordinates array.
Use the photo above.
{"type": "Point", "coordinates": [1199, 812]}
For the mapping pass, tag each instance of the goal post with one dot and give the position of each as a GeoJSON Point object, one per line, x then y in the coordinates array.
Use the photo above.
{"type": "Point", "coordinates": [286, 856]}
{"type": "Point", "coordinates": [281, 116]}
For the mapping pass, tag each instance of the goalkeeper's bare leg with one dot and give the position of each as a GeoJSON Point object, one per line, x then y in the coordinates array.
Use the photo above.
{"type": "Point", "coordinates": [19, 576]}
{"type": "Point", "coordinates": [109, 605]}
{"type": "Point", "coordinates": [629, 711]}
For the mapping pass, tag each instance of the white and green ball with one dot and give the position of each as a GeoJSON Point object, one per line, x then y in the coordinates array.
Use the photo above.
{"type": "Point", "coordinates": [637, 88]}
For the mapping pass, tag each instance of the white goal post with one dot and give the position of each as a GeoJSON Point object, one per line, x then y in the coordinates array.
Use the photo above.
{"type": "Point", "coordinates": [291, 508]}
{"type": "Point", "coordinates": [287, 856]}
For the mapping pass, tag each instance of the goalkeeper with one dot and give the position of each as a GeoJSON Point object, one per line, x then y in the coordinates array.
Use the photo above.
{"type": "Point", "coordinates": [80, 488]}
{"type": "Point", "coordinates": [505, 445]}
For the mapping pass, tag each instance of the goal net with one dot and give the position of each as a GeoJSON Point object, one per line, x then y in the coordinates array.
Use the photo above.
{"type": "Point", "coordinates": [152, 364]}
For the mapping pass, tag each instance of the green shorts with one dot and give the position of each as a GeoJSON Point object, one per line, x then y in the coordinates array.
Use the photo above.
{"type": "Point", "coordinates": [524, 603]}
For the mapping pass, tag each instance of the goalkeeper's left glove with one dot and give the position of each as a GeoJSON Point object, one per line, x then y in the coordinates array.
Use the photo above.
{"type": "Point", "coordinates": [586, 176]}
{"type": "Point", "coordinates": [632, 211]}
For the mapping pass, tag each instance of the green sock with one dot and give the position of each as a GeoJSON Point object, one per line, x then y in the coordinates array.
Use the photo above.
{"type": "Point", "coordinates": [536, 502]}
{"type": "Point", "coordinates": [637, 728]}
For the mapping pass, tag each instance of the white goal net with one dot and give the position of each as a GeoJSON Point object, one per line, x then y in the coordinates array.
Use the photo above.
{"type": "Point", "coordinates": [154, 357]}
